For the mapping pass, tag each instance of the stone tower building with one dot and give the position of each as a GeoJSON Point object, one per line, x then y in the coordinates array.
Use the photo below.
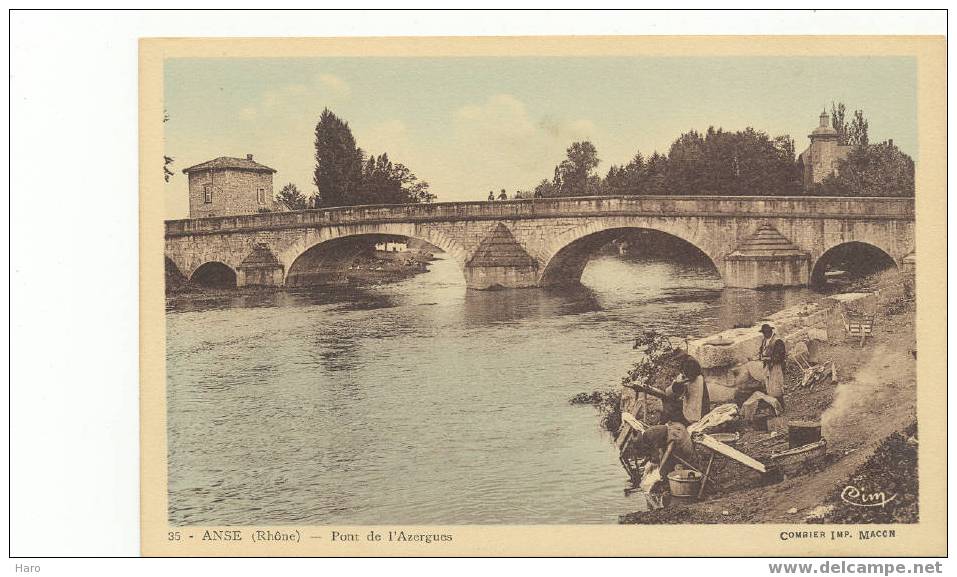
{"type": "Point", "coordinates": [228, 186]}
{"type": "Point", "coordinates": [822, 156]}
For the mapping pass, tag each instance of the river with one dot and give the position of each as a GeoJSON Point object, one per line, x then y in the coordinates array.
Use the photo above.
{"type": "Point", "coordinates": [419, 402]}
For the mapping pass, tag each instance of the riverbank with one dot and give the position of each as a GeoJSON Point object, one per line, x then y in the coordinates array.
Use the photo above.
{"type": "Point", "coordinates": [378, 267]}
{"type": "Point", "coordinates": [866, 415]}
{"type": "Point", "coordinates": [372, 267]}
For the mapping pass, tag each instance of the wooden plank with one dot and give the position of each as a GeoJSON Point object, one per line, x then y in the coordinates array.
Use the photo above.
{"type": "Point", "coordinates": [730, 452]}
{"type": "Point", "coordinates": [633, 422]}
{"type": "Point", "coordinates": [704, 478]}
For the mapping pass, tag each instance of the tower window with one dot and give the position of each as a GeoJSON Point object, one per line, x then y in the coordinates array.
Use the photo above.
{"type": "Point", "coordinates": [207, 193]}
{"type": "Point", "coordinates": [262, 196]}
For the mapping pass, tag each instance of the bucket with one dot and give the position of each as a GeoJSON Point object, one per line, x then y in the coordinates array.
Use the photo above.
{"type": "Point", "coordinates": [801, 433]}
{"type": "Point", "coordinates": [684, 483]}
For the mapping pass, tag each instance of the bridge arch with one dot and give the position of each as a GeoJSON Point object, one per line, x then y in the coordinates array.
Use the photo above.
{"type": "Point", "coordinates": [570, 252]}
{"type": "Point", "coordinates": [339, 246]}
{"type": "Point", "coordinates": [857, 257]}
{"type": "Point", "coordinates": [214, 274]}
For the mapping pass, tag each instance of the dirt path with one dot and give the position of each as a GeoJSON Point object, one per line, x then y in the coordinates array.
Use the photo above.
{"type": "Point", "coordinates": [875, 396]}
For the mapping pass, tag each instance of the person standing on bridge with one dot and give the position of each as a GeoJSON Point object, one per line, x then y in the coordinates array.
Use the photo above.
{"type": "Point", "coordinates": [491, 196]}
{"type": "Point", "coordinates": [503, 195]}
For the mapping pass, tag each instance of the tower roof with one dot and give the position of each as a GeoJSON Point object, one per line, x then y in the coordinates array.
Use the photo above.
{"type": "Point", "coordinates": [231, 163]}
{"type": "Point", "coordinates": [824, 129]}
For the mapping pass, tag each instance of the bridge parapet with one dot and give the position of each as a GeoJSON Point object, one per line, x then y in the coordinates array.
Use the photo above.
{"type": "Point", "coordinates": [871, 208]}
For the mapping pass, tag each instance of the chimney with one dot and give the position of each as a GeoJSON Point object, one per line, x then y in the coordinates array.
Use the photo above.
{"type": "Point", "coordinates": [890, 142]}
{"type": "Point", "coordinates": [249, 157]}
{"type": "Point", "coordinates": [823, 119]}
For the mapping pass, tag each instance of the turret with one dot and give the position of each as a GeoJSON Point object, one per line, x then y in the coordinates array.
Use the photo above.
{"type": "Point", "coordinates": [821, 158]}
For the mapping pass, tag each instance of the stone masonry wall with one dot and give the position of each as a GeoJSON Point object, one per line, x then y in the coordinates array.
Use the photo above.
{"type": "Point", "coordinates": [825, 155]}
{"type": "Point", "coordinates": [234, 192]}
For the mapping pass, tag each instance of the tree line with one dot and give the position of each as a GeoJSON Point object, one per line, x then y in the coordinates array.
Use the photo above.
{"type": "Point", "coordinates": [746, 162]}
{"type": "Point", "coordinates": [716, 162]}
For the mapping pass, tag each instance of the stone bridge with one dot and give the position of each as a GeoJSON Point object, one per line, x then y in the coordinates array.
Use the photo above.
{"type": "Point", "coordinates": [752, 241]}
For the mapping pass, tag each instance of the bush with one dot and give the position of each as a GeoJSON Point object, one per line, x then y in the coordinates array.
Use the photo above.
{"type": "Point", "coordinates": [608, 404]}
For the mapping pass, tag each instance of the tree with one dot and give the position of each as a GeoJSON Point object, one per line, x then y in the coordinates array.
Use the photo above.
{"type": "Point", "coordinates": [785, 146]}
{"type": "Point", "coordinates": [545, 189]}
{"type": "Point", "coordinates": [338, 169]}
{"type": "Point", "coordinates": [854, 134]}
{"type": "Point", "coordinates": [383, 182]}
{"type": "Point", "coordinates": [346, 177]}
{"type": "Point", "coordinates": [838, 122]}
{"type": "Point", "coordinates": [291, 197]}
{"type": "Point", "coordinates": [857, 135]}
{"type": "Point", "coordinates": [871, 170]}
{"type": "Point", "coordinates": [377, 185]}
{"type": "Point", "coordinates": [746, 162]}
{"type": "Point", "coordinates": [627, 179]}
{"type": "Point", "coordinates": [417, 191]}
{"type": "Point", "coordinates": [656, 174]}
{"type": "Point", "coordinates": [167, 160]}
{"type": "Point", "coordinates": [790, 175]}
{"type": "Point", "coordinates": [575, 175]}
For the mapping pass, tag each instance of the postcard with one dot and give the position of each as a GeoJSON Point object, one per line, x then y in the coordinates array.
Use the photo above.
{"type": "Point", "coordinates": [539, 296]}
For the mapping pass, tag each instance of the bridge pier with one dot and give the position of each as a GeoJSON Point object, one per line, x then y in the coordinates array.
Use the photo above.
{"type": "Point", "coordinates": [755, 273]}
{"type": "Point", "coordinates": [767, 259]}
{"type": "Point", "coordinates": [500, 277]}
{"type": "Point", "coordinates": [500, 262]}
{"type": "Point", "coordinates": [909, 264]}
{"type": "Point", "coordinates": [260, 268]}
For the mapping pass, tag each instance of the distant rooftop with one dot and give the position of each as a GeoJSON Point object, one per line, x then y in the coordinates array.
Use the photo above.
{"type": "Point", "coordinates": [229, 162]}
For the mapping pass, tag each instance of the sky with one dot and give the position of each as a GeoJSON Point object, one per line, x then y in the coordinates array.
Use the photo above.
{"type": "Point", "coordinates": [470, 125]}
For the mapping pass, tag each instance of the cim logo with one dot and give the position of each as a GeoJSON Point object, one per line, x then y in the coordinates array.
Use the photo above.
{"type": "Point", "coordinates": [859, 498]}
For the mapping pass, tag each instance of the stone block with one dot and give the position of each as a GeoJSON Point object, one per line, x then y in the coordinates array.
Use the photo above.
{"type": "Point", "coordinates": [719, 393]}
{"type": "Point", "coordinates": [854, 300]}
{"type": "Point", "coordinates": [737, 346]}
{"type": "Point", "coordinates": [817, 346]}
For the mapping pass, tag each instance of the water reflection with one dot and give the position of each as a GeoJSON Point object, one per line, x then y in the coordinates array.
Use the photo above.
{"type": "Point", "coordinates": [510, 306]}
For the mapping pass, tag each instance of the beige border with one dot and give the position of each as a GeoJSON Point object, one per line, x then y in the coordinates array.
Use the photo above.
{"type": "Point", "coordinates": [925, 538]}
